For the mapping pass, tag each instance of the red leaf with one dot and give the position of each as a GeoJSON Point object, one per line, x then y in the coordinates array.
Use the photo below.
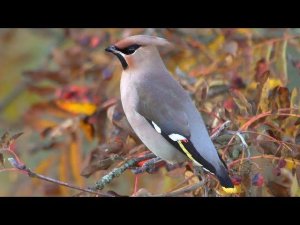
{"type": "Point", "coordinates": [95, 41]}
{"type": "Point", "coordinates": [258, 180]}
{"type": "Point", "coordinates": [236, 180]}
{"type": "Point", "coordinates": [77, 94]}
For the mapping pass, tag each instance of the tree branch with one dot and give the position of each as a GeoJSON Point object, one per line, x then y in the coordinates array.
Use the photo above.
{"type": "Point", "coordinates": [100, 184]}
{"type": "Point", "coordinates": [30, 173]}
{"type": "Point", "coordinates": [217, 133]}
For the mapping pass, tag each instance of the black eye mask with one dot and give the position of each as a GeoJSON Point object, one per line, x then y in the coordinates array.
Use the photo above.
{"type": "Point", "coordinates": [129, 50]}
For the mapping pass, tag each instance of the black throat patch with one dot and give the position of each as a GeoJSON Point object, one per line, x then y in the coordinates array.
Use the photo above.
{"type": "Point", "coordinates": [122, 60]}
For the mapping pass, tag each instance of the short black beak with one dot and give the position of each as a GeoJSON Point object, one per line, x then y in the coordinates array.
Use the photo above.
{"type": "Point", "coordinates": [111, 49]}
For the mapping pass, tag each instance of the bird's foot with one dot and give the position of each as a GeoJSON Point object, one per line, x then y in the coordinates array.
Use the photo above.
{"type": "Point", "coordinates": [150, 166]}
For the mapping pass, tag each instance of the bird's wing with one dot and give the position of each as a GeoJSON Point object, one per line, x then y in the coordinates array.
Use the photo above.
{"type": "Point", "coordinates": [164, 107]}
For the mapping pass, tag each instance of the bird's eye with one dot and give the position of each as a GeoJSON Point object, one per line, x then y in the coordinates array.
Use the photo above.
{"type": "Point", "coordinates": [130, 50]}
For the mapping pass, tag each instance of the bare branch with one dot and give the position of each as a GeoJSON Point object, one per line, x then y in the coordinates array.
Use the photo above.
{"type": "Point", "coordinates": [30, 173]}
{"type": "Point", "coordinates": [243, 142]}
{"type": "Point", "coordinates": [100, 184]}
{"type": "Point", "coordinates": [217, 133]}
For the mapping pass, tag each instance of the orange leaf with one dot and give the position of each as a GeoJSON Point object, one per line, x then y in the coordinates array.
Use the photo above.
{"type": "Point", "coordinates": [217, 43]}
{"type": "Point", "coordinates": [75, 161]}
{"type": "Point", "coordinates": [290, 164]}
{"type": "Point", "coordinates": [63, 172]}
{"type": "Point", "coordinates": [88, 129]}
{"type": "Point", "coordinates": [77, 107]}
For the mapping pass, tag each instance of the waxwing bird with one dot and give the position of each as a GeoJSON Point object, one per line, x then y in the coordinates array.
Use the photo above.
{"type": "Point", "coordinates": [160, 111]}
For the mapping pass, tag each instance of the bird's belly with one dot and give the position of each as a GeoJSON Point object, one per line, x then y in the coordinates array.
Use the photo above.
{"type": "Point", "coordinates": [152, 139]}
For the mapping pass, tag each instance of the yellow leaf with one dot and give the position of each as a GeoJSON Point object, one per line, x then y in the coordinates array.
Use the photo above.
{"type": "Point", "coordinates": [185, 60]}
{"type": "Point", "coordinates": [88, 130]}
{"type": "Point", "coordinates": [290, 164]}
{"type": "Point", "coordinates": [75, 161]}
{"type": "Point", "coordinates": [76, 107]}
{"type": "Point", "coordinates": [269, 85]}
{"type": "Point", "coordinates": [274, 82]}
{"type": "Point", "coordinates": [252, 87]}
{"type": "Point", "coordinates": [63, 172]}
{"type": "Point", "coordinates": [216, 44]}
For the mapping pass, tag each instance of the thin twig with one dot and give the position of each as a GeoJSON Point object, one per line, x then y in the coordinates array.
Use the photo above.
{"type": "Point", "coordinates": [148, 166]}
{"type": "Point", "coordinates": [245, 126]}
{"type": "Point", "coordinates": [217, 133]}
{"type": "Point", "coordinates": [244, 144]}
{"type": "Point", "coordinates": [30, 173]}
{"type": "Point", "coordinates": [284, 143]}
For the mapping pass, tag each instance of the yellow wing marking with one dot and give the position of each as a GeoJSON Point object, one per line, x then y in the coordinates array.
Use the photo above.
{"type": "Point", "coordinates": [186, 151]}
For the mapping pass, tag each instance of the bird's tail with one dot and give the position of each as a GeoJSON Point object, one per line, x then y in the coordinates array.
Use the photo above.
{"type": "Point", "coordinates": [224, 178]}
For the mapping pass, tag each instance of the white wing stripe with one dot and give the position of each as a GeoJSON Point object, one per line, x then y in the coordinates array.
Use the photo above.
{"type": "Point", "coordinates": [177, 137]}
{"type": "Point", "coordinates": [157, 128]}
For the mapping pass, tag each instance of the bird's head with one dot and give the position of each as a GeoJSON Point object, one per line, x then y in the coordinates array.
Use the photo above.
{"type": "Point", "coordinates": [138, 50]}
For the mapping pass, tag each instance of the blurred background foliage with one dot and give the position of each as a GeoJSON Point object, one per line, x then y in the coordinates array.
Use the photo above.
{"type": "Point", "coordinates": [61, 89]}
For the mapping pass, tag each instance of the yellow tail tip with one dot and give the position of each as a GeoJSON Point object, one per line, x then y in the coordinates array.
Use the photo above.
{"type": "Point", "coordinates": [237, 189]}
